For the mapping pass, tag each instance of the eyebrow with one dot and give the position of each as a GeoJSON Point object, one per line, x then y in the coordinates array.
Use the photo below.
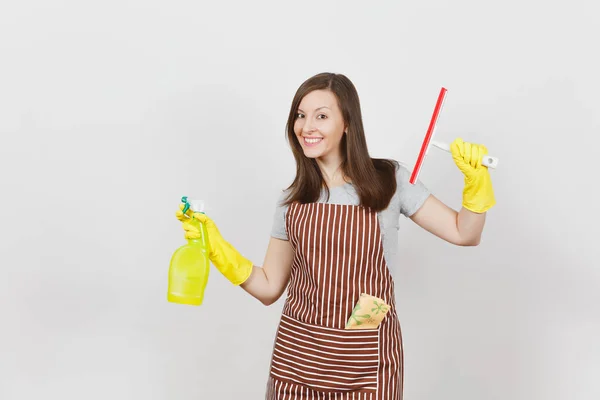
{"type": "Point", "coordinates": [317, 109]}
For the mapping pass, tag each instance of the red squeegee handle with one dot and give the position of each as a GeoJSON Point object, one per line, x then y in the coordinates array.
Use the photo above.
{"type": "Point", "coordinates": [425, 145]}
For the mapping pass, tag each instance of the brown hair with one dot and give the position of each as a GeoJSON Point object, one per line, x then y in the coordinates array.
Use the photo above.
{"type": "Point", "coordinates": [374, 179]}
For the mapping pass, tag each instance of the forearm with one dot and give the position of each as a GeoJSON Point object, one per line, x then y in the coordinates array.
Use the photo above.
{"type": "Point", "coordinates": [470, 226]}
{"type": "Point", "coordinates": [267, 283]}
{"type": "Point", "coordinates": [259, 287]}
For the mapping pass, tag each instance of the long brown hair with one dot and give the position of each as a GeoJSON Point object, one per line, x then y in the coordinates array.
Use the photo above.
{"type": "Point", "coordinates": [374, 179]}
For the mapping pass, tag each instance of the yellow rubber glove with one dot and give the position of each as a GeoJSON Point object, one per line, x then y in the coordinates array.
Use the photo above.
{"type": "Point", "coordinates": [478, 194]}
{"type": "Point", "coordinates": [235, 267]}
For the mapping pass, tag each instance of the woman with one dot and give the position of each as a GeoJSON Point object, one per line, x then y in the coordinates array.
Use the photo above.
{"type": "Point", "coordinates": [333, 243]}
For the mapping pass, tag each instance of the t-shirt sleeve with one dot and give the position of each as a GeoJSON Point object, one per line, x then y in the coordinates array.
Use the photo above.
{"type": "Point", "coordinates": [278, 229]}
{"type": "Point", "coordinates": [410, 197]}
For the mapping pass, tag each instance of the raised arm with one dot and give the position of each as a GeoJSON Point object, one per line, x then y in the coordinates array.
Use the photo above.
{"type": "Point", "coordinates": [463, 228]}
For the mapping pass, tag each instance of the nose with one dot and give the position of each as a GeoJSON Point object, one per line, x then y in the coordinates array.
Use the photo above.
{"type": "Point", "coordinates": [308, 126]}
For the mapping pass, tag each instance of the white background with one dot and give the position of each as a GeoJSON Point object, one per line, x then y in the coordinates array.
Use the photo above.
{"type": "Point", "coordinates": [111, 111]}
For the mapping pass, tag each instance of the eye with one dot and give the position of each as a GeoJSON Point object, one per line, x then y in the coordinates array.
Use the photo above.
{"type": "Point", "coordinates": [299, 115]}
{"type": "Point", "coordinates": [322, 115]}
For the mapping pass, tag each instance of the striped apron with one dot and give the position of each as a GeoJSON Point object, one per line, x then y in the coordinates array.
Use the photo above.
{"type": "Point", "coordinates": [338, 255]}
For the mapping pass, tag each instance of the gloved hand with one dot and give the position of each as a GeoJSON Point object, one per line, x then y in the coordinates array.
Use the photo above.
{"type": "Point", "coordinates": [235, 267]}
{"type": "Point", "coordinates": [478, 194]}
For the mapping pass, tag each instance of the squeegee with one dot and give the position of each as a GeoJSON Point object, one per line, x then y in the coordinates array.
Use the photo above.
{"type": "Point", "coordinates": [488, 161]}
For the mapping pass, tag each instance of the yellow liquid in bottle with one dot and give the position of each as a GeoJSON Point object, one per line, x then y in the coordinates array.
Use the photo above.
{"type": "Point", "coordinates": [189, 270]}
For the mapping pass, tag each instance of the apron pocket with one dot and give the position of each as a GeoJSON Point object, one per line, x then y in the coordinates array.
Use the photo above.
{"type": "Point", "coordinates": [326, 359]}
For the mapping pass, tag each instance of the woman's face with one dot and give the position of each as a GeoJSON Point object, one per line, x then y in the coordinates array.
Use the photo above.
{"type": "Point", "coordinates": [319, 125]}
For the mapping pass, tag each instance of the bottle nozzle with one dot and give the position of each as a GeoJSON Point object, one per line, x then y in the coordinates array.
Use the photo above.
{"type": "Point", "coordinates": [195, 204]}
{"type": "Point", "coordinates": [186, 205]}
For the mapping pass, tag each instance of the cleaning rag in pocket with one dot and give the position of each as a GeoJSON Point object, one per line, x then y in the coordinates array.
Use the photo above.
{"type": "Point", "coordinates": [368, 313]}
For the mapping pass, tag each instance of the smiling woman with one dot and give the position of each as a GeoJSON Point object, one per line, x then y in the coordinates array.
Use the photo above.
{"type": "Point", "coordinates": [334, 245]}
{"type": "Point", "coordinates": [320, 130]}
{"type": "Point", "coordinates": [326, 133]}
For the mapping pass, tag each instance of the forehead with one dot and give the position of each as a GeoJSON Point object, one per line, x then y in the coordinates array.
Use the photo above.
{"type": "Point", "coordinates": [318, 98]}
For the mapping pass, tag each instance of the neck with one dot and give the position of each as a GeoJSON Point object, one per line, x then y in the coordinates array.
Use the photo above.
{"type": "Point", "coordinates": [331, 170]}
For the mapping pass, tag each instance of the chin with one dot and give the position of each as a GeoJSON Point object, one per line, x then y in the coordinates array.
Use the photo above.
{"type": "Point", "coordinates": [312, 154]}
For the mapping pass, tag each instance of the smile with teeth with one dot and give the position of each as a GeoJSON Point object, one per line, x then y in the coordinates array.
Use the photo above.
{"type": "Point", "coordinates": [312, 141]}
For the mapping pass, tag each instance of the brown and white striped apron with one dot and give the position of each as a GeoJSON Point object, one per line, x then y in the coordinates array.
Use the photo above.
{"type": "Point", "coordinates": [338, 256]}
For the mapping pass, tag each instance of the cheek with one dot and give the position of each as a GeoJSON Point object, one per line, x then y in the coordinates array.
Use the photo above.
{"type": "Point", "coordinates": [298, 127]}
{"type": "Point", "coordinates": [334, 131]}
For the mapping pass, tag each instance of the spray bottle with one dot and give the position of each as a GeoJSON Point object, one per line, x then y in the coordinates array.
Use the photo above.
{"type": "Point", "coordinates": [190, 265]}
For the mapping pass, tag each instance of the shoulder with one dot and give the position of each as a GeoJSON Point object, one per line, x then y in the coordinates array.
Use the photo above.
{"type": "Point", "coordinates": [282, 198]}
{"type": "Point", "coordinates": [278, 229]}
{"type": "Point", "coordinates": [402, 174]}
{"type": "Point", "coordinates": [408, 197]}
{"type": "Point", "coordinates": [389, 166]}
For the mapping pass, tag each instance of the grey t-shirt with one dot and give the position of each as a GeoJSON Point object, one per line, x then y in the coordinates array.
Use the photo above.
{"type": "Point", "coordinates": [406, 201]}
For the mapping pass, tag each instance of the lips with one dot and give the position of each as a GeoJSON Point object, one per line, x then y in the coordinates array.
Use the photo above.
{"type": "Point", "coordinates": [312, 141]}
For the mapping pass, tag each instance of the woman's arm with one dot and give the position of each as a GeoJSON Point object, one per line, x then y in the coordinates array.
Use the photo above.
{"type": "Point", "coordinates": [461, 228]}
{"type": "Point", "coordinates": [267, 283]}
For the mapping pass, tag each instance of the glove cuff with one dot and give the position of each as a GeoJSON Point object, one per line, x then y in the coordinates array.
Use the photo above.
{"type": "Point", "coordinates": [235, 267]}
{"type": "Point", "coordinates": [241, 272]}
{"type": "Point", "coordinates": [478, 207]}
{"type": "Point", "coordinates": [478, 194]}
